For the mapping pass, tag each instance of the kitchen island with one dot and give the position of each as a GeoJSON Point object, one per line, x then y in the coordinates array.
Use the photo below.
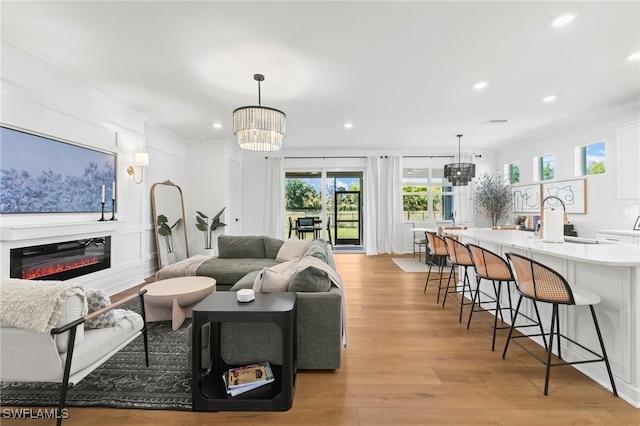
{"type": "Point", "coordinates": [610, 270]}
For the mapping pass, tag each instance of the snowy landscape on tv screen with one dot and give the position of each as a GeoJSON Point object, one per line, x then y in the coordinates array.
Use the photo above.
{"type": "Point", "coordinates": [42, 175]}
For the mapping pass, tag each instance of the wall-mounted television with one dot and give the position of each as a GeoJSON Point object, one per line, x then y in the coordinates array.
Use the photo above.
{"type": "Point", "coordinates": [40, 174]}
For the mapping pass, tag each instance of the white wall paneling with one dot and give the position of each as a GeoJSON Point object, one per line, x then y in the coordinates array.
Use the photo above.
{"type": "Point", "coordinates": [628, 170]}
{"type": "Point", "coordinates": [39, 98]}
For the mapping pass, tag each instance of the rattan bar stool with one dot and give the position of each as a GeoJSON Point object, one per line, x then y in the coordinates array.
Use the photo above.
{"type": "Point", "coordinates": [438, 254]}
{"type": "Point", "coordinates": [540, 283]}
{"type": "Point", "coordinates": [490, 266]}
{"type": "Point", "coordinates": [459, 256]}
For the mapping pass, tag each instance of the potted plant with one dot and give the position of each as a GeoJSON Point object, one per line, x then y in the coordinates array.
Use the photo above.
{"type": "Point", "coordinates": [164, 229]}
{"type": "Point", "coordinates": [493, 197]}
{"type": "Point", "coordinates": [202, 223]}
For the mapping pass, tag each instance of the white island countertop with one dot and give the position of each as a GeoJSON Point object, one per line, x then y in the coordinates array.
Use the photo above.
{"type": "Point", "coordinates": [598, 254]}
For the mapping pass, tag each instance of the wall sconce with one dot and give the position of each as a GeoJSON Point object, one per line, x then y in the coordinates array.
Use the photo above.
{"type": "Point", "coordinates": [140, 159]}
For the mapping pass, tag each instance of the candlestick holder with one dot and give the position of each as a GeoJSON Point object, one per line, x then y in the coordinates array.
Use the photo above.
{"type": "Point", "coordinates": [102, 219]}
{"type": "Point", "coordinates": [113, 209]}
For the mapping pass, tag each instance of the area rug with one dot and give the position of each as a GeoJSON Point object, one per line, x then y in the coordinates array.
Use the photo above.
{"type": "Point", "coordinates": [410, 264]}
{"type": "Point", "coordinates": [124, 381]}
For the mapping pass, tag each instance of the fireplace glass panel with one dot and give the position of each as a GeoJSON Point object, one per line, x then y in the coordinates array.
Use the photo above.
{"type": "Point", "coordinates": [61, 261]}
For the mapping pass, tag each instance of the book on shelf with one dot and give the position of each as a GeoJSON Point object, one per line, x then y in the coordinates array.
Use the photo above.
{"type": "Point", "coordinates": [242, 379]}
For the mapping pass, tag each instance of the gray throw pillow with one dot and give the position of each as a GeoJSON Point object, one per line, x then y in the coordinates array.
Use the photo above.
{"type": "Point", "coordinates": [310, 280]}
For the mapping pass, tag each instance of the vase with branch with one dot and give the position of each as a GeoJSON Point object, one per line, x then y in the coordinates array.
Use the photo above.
{"type": "Point", "coordinates": [208, 228]}
{"type": "Point", "coordinates": [493, 197]}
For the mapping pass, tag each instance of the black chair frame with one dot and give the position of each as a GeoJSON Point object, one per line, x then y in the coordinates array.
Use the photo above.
{"type": "Point", "coordinates": [494, 300]}
{"type": "Point", "coordinates": [72, 328]}
{"type": "Point", "coordinates": [555, 332]}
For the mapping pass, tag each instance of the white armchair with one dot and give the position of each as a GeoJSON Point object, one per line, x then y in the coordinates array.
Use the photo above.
{"type": "Point", "coordinates": [69, 352]}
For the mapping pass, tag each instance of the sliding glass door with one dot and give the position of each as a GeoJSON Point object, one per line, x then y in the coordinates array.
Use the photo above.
{"type": "Point", "coordinates": [333, 199]}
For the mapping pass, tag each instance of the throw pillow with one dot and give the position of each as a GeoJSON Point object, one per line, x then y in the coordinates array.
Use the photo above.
{"type": "Point", "coordinates": [96, 300]}
{"type": "Point", "coordinates": [275, 278]}
{"type": "Point", "coordinates": [292, 249]}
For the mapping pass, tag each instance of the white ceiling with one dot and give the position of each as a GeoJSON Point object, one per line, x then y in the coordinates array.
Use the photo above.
{"type": "Point", "coordinates": [401, 72]}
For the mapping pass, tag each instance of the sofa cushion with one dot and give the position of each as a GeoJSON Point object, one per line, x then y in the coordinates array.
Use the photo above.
{"type": "Point", "coordinates": [310, 279]}
{"type": "Point", "coordinates": [293, 248]}
{"type": "Point", "coordinates": [271, 247]}
{"type": "Point", "coordinates": [228, 271]}
{"type": "Point", "coordinates": [70, 311]}
{"type": "Point", "coordinates": [246, 246]}
{"type": "Point", "coordinates": [96, 300]}
{"type": "Point", "coordinates": [101, 341]}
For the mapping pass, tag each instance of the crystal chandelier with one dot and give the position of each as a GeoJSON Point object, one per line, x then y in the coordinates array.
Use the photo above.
{"type": "Point", "coordinates": [459, 174]}
{"type": "Point", "coordinates": [259, 128]}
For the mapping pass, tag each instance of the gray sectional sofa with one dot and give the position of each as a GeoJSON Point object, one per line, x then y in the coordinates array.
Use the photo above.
{"type": "Point", "coordinates": [319, 304]}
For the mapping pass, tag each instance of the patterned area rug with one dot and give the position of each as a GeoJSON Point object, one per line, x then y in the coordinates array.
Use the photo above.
{"type": "Point", "coordinates": [124, 381]}
{"type": "Point", "coordinates": [410, 264]}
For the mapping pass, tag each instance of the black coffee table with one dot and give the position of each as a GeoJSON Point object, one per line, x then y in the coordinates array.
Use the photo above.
{"type": "Point", "coordinates": [208, 388]}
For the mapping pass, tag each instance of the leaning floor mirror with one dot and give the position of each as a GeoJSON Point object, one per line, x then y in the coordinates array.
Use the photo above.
{"type": "Point", "coordinates": [170, 228]}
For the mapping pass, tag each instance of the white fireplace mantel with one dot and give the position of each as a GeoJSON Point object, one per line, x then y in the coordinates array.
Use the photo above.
{"type": "Point", "coordinates": [31, 231]}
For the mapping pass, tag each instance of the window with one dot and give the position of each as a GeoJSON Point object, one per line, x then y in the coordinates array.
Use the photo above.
{"type": "Point", "coordinates": [544, 167]}
{"type": "Point", "coordinates": [512, 172]}
{"type": "Point", "coordinates": [426, 194]}
{"type": "Point", "coordinates": [590, 159]}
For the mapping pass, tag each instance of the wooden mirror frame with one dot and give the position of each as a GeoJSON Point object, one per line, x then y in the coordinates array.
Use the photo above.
{"type": "Point", "coordinates": [181, 247]}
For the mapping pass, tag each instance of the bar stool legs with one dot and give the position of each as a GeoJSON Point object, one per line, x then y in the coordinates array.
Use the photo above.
{"type": "Point", "coordinates": [465, 285]}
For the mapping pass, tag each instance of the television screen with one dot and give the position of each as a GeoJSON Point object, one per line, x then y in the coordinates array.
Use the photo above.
{"type": "Point", "coordinates": [43, 175]}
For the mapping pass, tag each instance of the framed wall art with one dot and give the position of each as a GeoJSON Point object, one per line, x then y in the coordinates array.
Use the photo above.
{"type": "Point", "coordinates": [40, 174]}
{"type": "Point", "coordinates": [526, 198]}
{"type": "Point", "coordinates": [573, 194]}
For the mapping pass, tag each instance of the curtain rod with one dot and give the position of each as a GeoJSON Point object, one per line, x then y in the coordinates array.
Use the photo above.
{"type": "Point", "coordinates": [382, 156]}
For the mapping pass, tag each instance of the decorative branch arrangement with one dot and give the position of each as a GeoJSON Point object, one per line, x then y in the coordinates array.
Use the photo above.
{"type": "Point", "coordinates": [493, 197]}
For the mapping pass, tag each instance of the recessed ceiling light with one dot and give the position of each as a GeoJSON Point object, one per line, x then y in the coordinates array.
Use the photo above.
{"type": "Point", "coordinates": [634, 56]}
{"type": "Point", "coordinates": [217, 126]}
{"type": "Point", "coordinates": [563, 20]}
{"type": "Point", "coordinates": [348, 125]}
{"type": "Point", "coordinates": [480, 85]}
{"type": "Point", "coordinates": [549, 98]}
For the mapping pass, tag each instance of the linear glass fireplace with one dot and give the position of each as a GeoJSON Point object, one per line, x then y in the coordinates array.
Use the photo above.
{"type": "Point", "coordinates": [61, 261]}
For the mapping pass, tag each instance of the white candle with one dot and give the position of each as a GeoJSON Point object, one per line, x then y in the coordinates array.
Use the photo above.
{"type": "Point", "coordinates": [103, 193]}
{"type": "Point", "coordinates": [113, 191]}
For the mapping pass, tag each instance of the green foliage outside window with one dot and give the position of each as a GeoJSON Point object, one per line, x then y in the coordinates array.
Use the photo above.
{"type": "Point", "coordinates": [300, 195]}
{"type": "Point", "coordinates": [596, 168]}
{"type": "Point", "coordinates": [514, 173]}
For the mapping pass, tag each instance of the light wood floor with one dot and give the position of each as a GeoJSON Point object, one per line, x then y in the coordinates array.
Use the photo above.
{"type": "Point", "coordinates": [409, 362]}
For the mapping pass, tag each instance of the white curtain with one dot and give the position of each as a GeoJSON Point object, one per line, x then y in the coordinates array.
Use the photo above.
{"type": "Point", "coordinates": [275, 212]}
{"type": "Point", "coordinates": [383, 205]}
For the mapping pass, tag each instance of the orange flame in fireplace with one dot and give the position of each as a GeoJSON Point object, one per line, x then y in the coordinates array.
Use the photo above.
{"type": "Point", "coordinates": [43, 271]}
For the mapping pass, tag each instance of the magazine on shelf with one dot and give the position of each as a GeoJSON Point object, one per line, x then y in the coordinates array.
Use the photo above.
{"type": "Point", "coordinates": [242, 379]}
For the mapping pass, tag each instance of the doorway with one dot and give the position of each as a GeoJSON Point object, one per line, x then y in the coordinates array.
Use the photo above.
{"type": "Point", "coordinates": [344, 207]}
